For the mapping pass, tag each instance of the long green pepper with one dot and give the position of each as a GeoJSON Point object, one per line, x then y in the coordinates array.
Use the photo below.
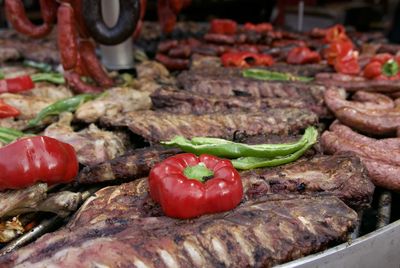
{"type": "Point", "coordinates": [8, 135]}
{"type": "Point", "coordinates": [66, 105]}
{"type": "Point", "coordinates": [262, 74]}
{"type": "Point", "coordinates": [229, 149]}
{"type": "Point", "coordinates": [245, 163]}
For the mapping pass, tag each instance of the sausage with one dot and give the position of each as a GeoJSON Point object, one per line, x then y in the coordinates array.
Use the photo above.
{"type": "Point", "coordinates": [335, 99]}
{"type": "Point", "coordinates": [166, 16]}
{"type": "Point", "coordinates": [17, 17]}
{"type": "Point", "coordinates": [182, 51]}
{"type": "Point", "coordinates": [165, 46]}
{"type": "Point", "coordinates": [220, 38]}
{"type": "Point", "coordinates": [74, 80]}
{"type": "Point", "coordinates": [383, 174]}
{"type": "Point", "coordinates": [93, 66]}
{"type": "Point", "coordinates": [48, 9]}
{"type": "Point", "coordinates": [175, 5]}
{"type": "Point", "coordinates": [67, 36]}
{"type": "Point", "coordinates": [173, 64]}
{"type": "Point", "coordinates": [377, 122]}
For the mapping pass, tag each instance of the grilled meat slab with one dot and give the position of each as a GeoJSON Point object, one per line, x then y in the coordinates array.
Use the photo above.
{"type": "Point", "coordinates": [91, 144]}
{"type": "Point", "coordinates": [182, 101]}
{"type": "Point", "coordinates": [133, 165]}
{"type": "Point", "coordinates": [258, 234]}
{"type": "Point", "coordinates": [157, 126]}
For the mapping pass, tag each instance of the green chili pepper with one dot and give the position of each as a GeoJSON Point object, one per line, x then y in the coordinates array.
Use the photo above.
{"type": "Point", "coordinates": [55, 78]}
{"type": "Point", "coordinates": [8, 135]}
{"type": "Point", "coordinates": [2, 75]}
{"type": "Point", "coordinates": [229, 149]}
{"type": "Point", "coordinates": [262, 74]}
{"type": "Point", "coordinates": [41, 66]}
{"type": "Point", "coordinates": [66, 105]}
{"type": "Point", "coordinates": [245, 163]}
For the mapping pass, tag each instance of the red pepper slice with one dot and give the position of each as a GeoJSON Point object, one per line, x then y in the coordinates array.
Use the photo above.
{"type": "Point", "coordinates": [179, 184]}
{"type": "Point", "coordinates": [7, 110]}
{"type": "Point", "coordinates": [246, 59]}
{"type": "Point", "coordinates": [335, 33]}
{"type": "Point", "coordinates": [17, 84]}
{"type": "Point", "coordinates": [223, 26]}
{"type": "Point", "coordinates": [302, 55]}
{"type": "Point", "coordinates": [261, 27]}
{"type": "Point", "coordinates": [348, 64]}
{"type": "Point", "coordinates": [337, 49]}
{"type": "Point", "coordinates": [34, 159]}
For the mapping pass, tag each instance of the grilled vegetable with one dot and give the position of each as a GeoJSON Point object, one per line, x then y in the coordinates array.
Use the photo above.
{"type": "Point", "coordinates": [16, 84]}
{"type": "Point", "coordinates": [302, 55]}
{"type": "Point", "coordinates": [34, 159]}
{"type": "Point", "coordinates": [7, 110]}
{"type": "Point", "coordinates": [55, 78]}
{"type": "Point", "coordinates": [41, 66]}
{"type": "Point", "coordinates": [229, 149]}
{"type": "Point", "coordinates": [256, 162]}
{"type": "Point", "coordinates": [223, 26]}
{"type": "Point", "coordinates": [383, 66]}
{"type": "Point", "coordinates": [261, 74]}
{"type": "Point", "coordinates": [187, 186]}
{"type": "Point", "coordinates": [246, 59]}
{"type": "Point", "coordinates": [67, 105]}
{"type": "Point", "coordinates": [8, 135]}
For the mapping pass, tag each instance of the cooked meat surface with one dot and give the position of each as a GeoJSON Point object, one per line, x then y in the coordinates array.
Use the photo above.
{"type": "Point", "coordinates": [133, 165]}
{"type": "Point", "coordinates": [258, 234]}
{"type": "Point", "coordinates": [157, 126]}
{"type": "Point", "coordinates": [383, 167]}
{"type": "Point", "coordinates": [182, 101]}
{"type": "Point", "coordinates": [91, 144]}
{"type": "Point", "coordinates": [112, 102]}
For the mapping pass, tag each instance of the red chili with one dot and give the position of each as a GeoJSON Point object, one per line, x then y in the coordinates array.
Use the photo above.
{"type": "Point", "coordinates": [223, 26]}
{"type": "Point", "coordinates": [246, 59]}
{"type": "Point", "coordinates": [187, 186]}
{"type": "Point", "coordinates": [302, 55]}
{"type": "Point", "coordinates": [34, 159]}
{"type": "Point", "coordinates": [7, 110]}
{"type": "Point", "coordinates": [348, 64]}
{"type": "Point", "coordinates": [16, 84]}
{"type": "Point", "coordinates": [261, 27]}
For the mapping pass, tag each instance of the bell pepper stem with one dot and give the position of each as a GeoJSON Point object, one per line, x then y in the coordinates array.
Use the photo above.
{"type": "Point", "coordinates": [199, 172]}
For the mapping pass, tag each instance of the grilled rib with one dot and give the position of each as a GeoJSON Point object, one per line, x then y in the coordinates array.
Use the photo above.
{"type": "Point", "coordinates": [157, 126]}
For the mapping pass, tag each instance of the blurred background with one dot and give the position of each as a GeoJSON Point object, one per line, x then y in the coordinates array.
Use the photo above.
{"type": "Point", "coordinates": [362, 15]}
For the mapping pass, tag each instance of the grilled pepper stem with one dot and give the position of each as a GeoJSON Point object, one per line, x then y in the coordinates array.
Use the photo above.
{"type": "Point", "coordinates": [67, 105]}
{"type": "Point", "coordinates": [256, 162]}
{"type": "Point", "coordinates": [229, 149]}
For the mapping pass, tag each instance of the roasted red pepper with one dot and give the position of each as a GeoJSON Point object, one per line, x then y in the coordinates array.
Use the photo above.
{"type": "Point", "coordinates": [337, 49]}
{"type": "Point", "coordinates": [34, 159]}
{"type": "Point", "coordinates": [382, 67]}
{"type": "Point", "coordinates": [187, 186]}
{"type": "Point", "coordinates": [302, 55]}
{"type": "Point", "coordinates": [335, 33]}
{"type": "Point", "coordinates": [8, 110]}
{"type": "Point", "coordinates": [348, 64]}
{"type": "Point", "coordinates": [16, 84]}
{"type": "Point", "coordinates": [223, 26]}
{"type": "Point", "coordinates": [261, 27]}
{"type": "Point", "coordinates": [246, 59]}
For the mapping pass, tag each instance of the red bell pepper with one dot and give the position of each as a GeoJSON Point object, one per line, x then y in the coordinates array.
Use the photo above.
{"type": "Point", "coordinates": [223, 26]}
{"type": "Point", "coordinates": [40, 158]}
{"type": "Point", "coordinates": [187, 186]}
{"type": "Point", "coordinates": [261, 27]}
{"type": "Point", "coordinates": [348, 64]}
{"type": "Point", "coordinates": [302, 55]}
{"type": "Point", "coordinates": [8, 110]}
{"type": "Point", "coordinates": [246, 59]}
{"type": "Point", "coordinates": [17, 84]}
{"type": "Point", "coordinates": [382, 67]}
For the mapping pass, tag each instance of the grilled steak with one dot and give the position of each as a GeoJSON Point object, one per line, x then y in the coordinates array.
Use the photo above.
{"type": "Point", "coordinates": [131, 166]}
{"type": "Point", "coordinates": [181, 101]}
{"type": "Point", "coordinates": [257, 234]}
{"type": "Point", "coordinates": [157, 126]}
